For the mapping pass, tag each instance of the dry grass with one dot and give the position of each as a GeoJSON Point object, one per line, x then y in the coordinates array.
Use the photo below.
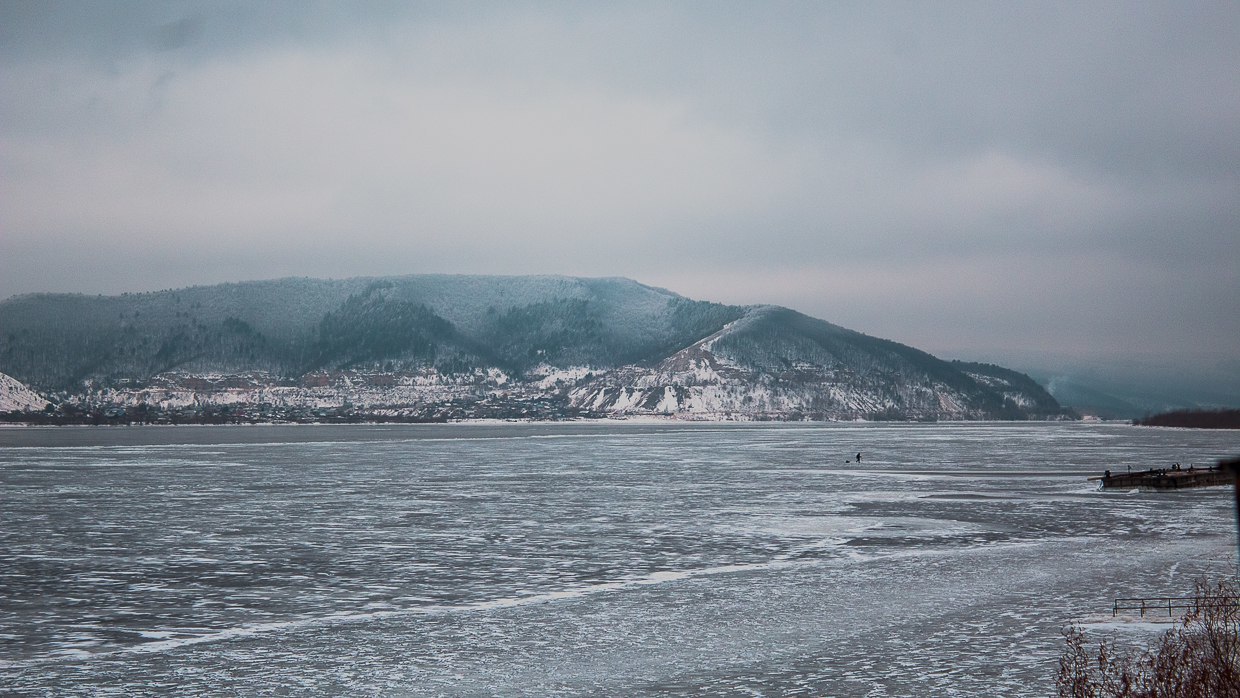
{"type": "Point", "coordinates": [1198, 658]}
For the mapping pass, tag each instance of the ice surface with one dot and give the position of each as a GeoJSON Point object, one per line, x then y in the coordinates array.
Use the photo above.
{"type": "Point", "coordinates": [599, 559]}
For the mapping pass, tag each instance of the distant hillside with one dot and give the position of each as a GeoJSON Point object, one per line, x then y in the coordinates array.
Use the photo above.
{"type": "Point", "coordinates": [291, 326]}
{"type": "Point", "coordinates": [15, 397]}
{"type": "Point", "coordinates": [404, 344]}
{"type": "Point", "coordinates": [1129, 391]}
{"type": "Point", "coordinates": [778, 363]}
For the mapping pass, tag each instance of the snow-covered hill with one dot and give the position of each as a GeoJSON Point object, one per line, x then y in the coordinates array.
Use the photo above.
{"type": "Point", "coordinates": [776, 363]}
{"type": "Point", "coordinates": [16, 397]}
{"type": "Point", "coordinates": [428, 346]}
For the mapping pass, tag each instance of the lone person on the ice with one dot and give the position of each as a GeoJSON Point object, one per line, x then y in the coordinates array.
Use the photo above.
{"type": "Point", "coordinates": [858, 457]}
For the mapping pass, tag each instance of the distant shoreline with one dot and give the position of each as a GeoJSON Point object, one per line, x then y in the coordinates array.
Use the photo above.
{"type": "Point", "coordinates": [9, 421]}
{"type": "Point", "coordinates": [1193, 419]}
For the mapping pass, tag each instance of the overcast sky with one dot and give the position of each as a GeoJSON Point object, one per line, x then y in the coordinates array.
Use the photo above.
{"type": "Point", "coordinates": [980, 180]}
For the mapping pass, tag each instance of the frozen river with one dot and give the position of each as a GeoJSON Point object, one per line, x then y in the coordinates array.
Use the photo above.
{"type": "Point", "coordinates": [582, 559]}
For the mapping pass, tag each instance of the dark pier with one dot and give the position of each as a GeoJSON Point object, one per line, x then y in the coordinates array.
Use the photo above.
{"type": "Point", "coordinates": [1173, 478]}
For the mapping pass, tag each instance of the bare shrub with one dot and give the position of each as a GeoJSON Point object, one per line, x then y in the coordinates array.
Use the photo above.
{"type": "Point", "coordinates": [1198, 658]}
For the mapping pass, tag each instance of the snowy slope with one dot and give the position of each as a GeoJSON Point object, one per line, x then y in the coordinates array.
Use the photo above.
{"type": "Point", "coordinates": [775, 363]}
{"type": "Point", "coordinates": [291, 326]}
{"type": "Point", "coordinates": [16, 397]}
{"type": "Point", "coordinates": [572, 345]}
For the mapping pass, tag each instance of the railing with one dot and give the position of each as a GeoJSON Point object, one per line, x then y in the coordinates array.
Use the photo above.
{"type": "Point", "coordinates": [1170, 603]}
{"type": "Point", "coordinates": [1158, 604]}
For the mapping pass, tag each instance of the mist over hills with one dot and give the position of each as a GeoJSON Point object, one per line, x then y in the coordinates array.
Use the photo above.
{"type": "Point", "coordinates": [436, 346]}
{"type": "Point", "coordinates": [1120, 389]}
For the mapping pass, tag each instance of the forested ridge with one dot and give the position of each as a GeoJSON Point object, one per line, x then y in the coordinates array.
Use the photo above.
{"type": "Point", "coordinates": [601, 345]}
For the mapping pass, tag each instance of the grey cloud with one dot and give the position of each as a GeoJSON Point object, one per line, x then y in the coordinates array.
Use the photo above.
{"type": "Point", "coordinates": [986, 175]}
{"type": "Point", "coordinates": [177, 34]}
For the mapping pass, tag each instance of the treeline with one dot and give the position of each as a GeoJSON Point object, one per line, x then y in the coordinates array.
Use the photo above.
{"type": "Point", "coordinates": [1194, 419]}
{"type": "Point", "coordinates": [56, 342]}
{"type": "Point", "coordinates": [551, 408]}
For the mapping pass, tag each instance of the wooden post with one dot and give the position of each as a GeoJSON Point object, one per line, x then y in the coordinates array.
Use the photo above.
{"type": "Point", "coordinates": [1234, 466]}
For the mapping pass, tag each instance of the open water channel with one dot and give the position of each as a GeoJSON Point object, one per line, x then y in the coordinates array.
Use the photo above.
{"type": "Point", "coordinates": [582, 559]}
